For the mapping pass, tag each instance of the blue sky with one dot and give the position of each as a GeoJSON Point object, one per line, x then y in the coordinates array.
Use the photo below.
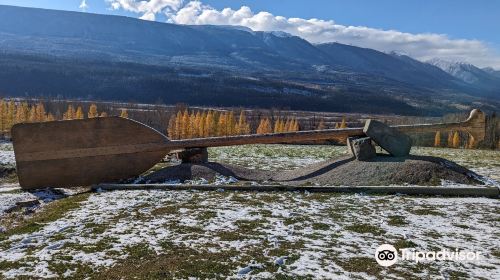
{"type": "Point", "coordinates": [469, 25]}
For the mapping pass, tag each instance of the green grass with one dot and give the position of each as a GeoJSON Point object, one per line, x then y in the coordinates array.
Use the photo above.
{"type": "Point", "coordinates": [175, 261]}
{"type": "Point", "coordinates": [365, 228]}
{"type": "Point", "coordinates": [320, 226]}
{"type": "Point", "coordinates": [402, 244]}
{"type": "Point", "coordinates": [361, 264]}
{"type": "Point", "coordinates": [398, 221]}
{"type": "Point", "coordinates": [427, 211]}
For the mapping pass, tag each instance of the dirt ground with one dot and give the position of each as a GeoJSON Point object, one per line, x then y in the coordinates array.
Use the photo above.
{"type": "Point", "coordinates": [383, 170]}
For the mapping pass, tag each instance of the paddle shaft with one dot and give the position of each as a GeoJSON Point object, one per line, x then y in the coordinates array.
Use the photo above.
{"type": "Point", "coordinates": [470, 125]}
{"type": "Point", "coordinates": [300, 136]}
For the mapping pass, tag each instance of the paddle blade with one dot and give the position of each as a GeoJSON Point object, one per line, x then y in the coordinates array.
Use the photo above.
{"type": "Point", "coordinates": [84, 152]}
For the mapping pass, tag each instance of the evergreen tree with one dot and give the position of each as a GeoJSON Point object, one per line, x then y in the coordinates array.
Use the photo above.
{"type": "Point", "coordinates": [93, 112]}
{"type": "Point", "coordinates": [437, 139]}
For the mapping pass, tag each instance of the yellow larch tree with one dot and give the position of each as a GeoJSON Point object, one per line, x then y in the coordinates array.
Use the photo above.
{"type": "Point", "coordinates": [260, 127]}
{"type": "Point", "coordinates": [184, 128]}
{"type": "Point", "coordinates": [222, 124]}
{"type": "Point", "coordinates": [32, 114]}
{"type": "Point", "coordinates": [50, 117]}
{"type": "Point", "coordinates": [70, 113]}
{"type": "Point", "coordinates": [41, 115]}
{"type": "Point", "coordinates": [278, 126]}
{"type": "Point", "coordinates": [243, 126]}
{"type": "Point", "coordinates": [11, 114]}
{"type": "Point", "coordinates": [294, 125]}
{"type": "Point", "coordinates": [264, 126]}
{"type": "Point", "coordinates": [437, 139]}
{"type": "Point", "coordinates": [450, 139]}
{"type": "Point", "coordinates": [22, 112]}
{"type": "Point", "coordinates": [93, 111]}
{"type": "Point", "coordinates": [343, 124]}
{"type": "Point", "coordinates": [230, 123]}
{"type": "Point", "coordinates": [177, 131]}
{"type": "Point", "coordinates": [124, 113]}
{"type": "Point", "coordinates": [192, 126]}
{"type": "Point", "coordinates": [210, 125]}
{"type": "Point", "coordinates": [201, 124]}
{"type": "Point", "coordinates": [288, 125]}
{"type": "Point", "coordinates": [171, 127]}
{"type": "Point", "coordinates": [471, 142]}
{"type": "Point", "coordinates": [196, 125]}
{"type": "Point", "coordinates": [3, 114]}
{"type": "Point", "coordinates": [268, 127]}
{"type": "Point", "coordinates": [456, 140]}
{"type": "Point", "coordinates": [79, 113]}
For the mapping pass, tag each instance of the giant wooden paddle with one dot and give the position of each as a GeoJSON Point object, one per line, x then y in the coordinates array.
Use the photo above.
{"type": "Point", "coordinates": [89, 151]}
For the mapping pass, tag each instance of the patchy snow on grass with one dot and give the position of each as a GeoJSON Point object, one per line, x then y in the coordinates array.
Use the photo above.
{"type": "Point", "coordinates": [263, 235]}
{"type": "Point", "coordinates": [9, 187]}
{"type": "Point", "coordinates": [319, 235]}
{"type": "Point", "coordinates": [7, 154]}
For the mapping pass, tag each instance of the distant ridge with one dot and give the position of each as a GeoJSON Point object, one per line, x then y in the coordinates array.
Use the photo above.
{"type": "Point", "coordinates": [131, 59]}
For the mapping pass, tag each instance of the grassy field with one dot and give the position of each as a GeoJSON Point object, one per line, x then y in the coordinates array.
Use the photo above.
{"type": "Point", "coordinates": [181, 234]}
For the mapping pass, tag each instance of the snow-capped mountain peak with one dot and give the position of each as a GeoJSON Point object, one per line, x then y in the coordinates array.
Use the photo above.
{"type": "Point", "coordinates": [461, 70]}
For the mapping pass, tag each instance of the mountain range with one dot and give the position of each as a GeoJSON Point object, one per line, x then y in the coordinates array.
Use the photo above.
{"type": "Point", "coordinates": [80, 55]}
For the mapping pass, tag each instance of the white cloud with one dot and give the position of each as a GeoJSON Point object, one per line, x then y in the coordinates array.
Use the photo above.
{"type": "Point", "coordinates": [83, 5]}
{"type": "Point", "coordinates": [148, 9]}
{"type": "Point", "coordinates": [422, 46]}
